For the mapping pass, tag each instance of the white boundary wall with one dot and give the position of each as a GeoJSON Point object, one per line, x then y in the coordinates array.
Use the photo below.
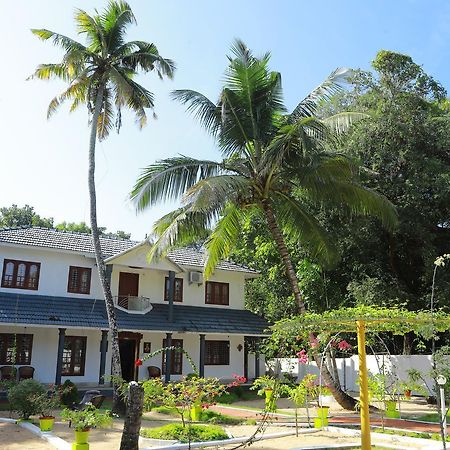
{"type": "Point", "coordinates": [348, 367]}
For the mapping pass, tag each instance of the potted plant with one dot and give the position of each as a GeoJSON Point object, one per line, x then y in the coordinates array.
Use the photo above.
{"type": "Point", "coordinates": [301, 394]}
{"type": "Point", "coordinates": [270, 388]}
{"type": "Point", "coordinates": [83, 420]}
{"type": "Point", "coordinates": [46, 403]}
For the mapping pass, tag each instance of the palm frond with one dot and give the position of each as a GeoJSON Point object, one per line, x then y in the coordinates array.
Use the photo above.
{"type": "Point", "coordinates": [169, 179]}
{"type": "Point", "coordinates": [106, 118]}
{"type": "Point", "coordinates": [208, 114]}
{"type": "Point", "coordinates": [92, 28]}
{"type": "Point", "coordinates": [223, 237]}
{"type": "Point", "coordinates": [350, 195]}
{"type": "Point", "coordinates": [115, 18]}
{"type": "Point", "coordinates": [341, 122]}
{"type": "Point", "coordinates": [59, 40]}
{"type": "Point", "coordinates": [331, 86]}
{"type": "Point", "coordinates": [49, 71]}
{"type": "Point", "coordinates": [146, 58]}
{"type": "Point", "coordinates": [302, 226]}
{"type": "Point", "coordinates": [179, 228]}
{"type": "Point", "coordinates": [216, 191]}
{"type": "Point", "coordinates": [77, 91]}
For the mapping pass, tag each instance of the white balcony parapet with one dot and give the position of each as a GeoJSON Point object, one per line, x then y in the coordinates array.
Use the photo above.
{"type": "Point", "coordinates": [133, 304]}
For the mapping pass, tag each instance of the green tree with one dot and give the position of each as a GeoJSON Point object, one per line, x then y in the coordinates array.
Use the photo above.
{"type": "Point", "coordinates": [14, 216]}
{"type": "Point", "coordinates": [100, 76]}
{"type": "Point", "coordinates": [274, 162]}
{"type": "Point", "coordinates": [80, 227]}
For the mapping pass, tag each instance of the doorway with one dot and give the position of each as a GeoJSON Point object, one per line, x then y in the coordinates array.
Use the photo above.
{"type": "Point", "coordinates": [129, 344]}
{"type": "Point", "coordinates": [128, 287]}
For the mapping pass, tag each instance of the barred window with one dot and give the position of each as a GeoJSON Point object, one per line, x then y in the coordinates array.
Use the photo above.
{"type": "Point", "coordinates": [15, 348]}
{"type": "Point", "coordinates": [79, 280]}
{"type": "Point", "coordinates": [74, 355]}
{"type": "Point", "coordinates": [176, 358]}
{"type": "Point", "coordinates": [178, 294]}
{"type": "Point", "coordinates": [217, 353]}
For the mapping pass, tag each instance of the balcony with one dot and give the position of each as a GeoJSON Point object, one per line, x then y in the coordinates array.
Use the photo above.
{"type": "Point", "coordinates": [133, 304]}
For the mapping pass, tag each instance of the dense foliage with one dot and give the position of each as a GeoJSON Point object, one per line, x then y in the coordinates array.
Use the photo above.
{"type": "Point", "coordinates": [403, 145]}
{"type": "Point", "coordinates": [194, 433]}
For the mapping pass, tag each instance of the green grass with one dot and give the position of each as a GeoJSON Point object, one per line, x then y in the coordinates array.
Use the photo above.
{"type": "Point", "coordinates": [413, 434]}
{"type": "Point", "coordinates": [432, 417]}
{"type": "Point", "coordinates": [198, 433]}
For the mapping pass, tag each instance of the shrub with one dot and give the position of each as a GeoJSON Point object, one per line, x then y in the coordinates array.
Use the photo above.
{"type": "Point", "coordinates": [228, 397]}
{"type": "Point", "coordinates": [87, 418]}
{"type": "Point", "coordinates": [21, 397]}
{"type": "Point", "coordinates": [69, 394]}
{"type": "Point", "coordinates": [198, 433]}
{"type": "Point", "coordinates": [215, 417]}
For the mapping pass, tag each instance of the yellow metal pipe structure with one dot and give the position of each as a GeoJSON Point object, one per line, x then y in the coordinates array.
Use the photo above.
{"type": "Point", "coordinates": [363, 386]}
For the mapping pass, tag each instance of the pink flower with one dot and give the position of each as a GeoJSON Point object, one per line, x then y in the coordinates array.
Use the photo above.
{"type": "Point", "coordinates": [138, 362]}
{"type": "Point", "coordinates": [302, 357]}
{"type": "Point", "coordinates": [344, 346]}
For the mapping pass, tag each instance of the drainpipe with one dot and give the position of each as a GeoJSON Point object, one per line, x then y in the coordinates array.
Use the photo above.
{"type": "Point", "coordinates": [171, 294]}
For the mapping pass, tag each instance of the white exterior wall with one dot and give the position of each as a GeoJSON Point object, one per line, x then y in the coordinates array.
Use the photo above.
{"type": "Point", "coordinates": [45, 349]}
{"type": "Point", "coordinates": [54, 271]}
{"type": "Point", "coordinates": [191, 343]}
{"type": "Point", "coordinates": [55, 265]}
{"type": "Point", "coordinates": [348, 368]}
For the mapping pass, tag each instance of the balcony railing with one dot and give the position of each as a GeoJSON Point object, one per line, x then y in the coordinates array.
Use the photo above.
{"type": "Point", "coordinates": [133, 304]}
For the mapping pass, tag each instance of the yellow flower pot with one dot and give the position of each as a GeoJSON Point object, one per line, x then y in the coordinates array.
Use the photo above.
{"type": "Point", "coordinates": [196, 413]}
{"type": "Point", "coordinates": [46, 423]}
{"type": "Point", "coordinates": [322, 417]}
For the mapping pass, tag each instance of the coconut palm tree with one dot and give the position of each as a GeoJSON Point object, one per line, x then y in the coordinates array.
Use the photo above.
{"type": "Point", "coordinates": [273, 161]}
{"type": "Point", "coordinates": [100, 76]}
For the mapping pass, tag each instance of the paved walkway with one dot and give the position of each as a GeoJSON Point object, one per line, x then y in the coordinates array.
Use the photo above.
{"type": "Point", "coordinates": [403, 424]}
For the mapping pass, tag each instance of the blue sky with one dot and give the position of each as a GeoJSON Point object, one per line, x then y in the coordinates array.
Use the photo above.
{"type": "Point", "coordinates": [44, 163]}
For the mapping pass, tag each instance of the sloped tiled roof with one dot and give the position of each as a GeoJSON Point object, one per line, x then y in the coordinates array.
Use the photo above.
{"type": "Point", "coordinates": [189, 256]}
{"type": "Point", "coordinates": [62, 240]}
{"type": "Point", "coordinates": [25, 309]}
{"type": "Point", "coordinates": [82, 242]}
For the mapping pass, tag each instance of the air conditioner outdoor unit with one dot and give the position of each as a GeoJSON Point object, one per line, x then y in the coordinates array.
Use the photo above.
{"type": "Point", "coordinates": [195, 277]}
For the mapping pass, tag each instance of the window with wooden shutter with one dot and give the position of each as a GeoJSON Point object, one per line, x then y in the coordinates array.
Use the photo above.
{"type": "Point", "coordinates": [176, 363]}
{"type": "Point", "coordinates": [217, 293]}
{"type": "Point", "coordinates": [15, 348]}
{"type": "Point", "coordinates": [74, 355]}
{"type": "Point", "coordinates": [79, 281]}
{"type": "Point", "coordinates": [20, 274]}
{"type": "Point", "coordinates": [217, 353]}
{"type": "Point", "coordinates": [178, 294]}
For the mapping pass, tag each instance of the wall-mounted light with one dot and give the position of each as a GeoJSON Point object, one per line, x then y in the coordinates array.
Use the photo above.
{"type": "Point", "coordinates": [239, 347]}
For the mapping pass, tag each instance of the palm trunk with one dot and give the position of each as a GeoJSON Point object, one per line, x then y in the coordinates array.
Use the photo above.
{"type": "Point", "coordinates": [111, 312]}
{"type": "Point", "coordinates": [132, 424]}
{"type": "Point", "coordinates": [340, 396]}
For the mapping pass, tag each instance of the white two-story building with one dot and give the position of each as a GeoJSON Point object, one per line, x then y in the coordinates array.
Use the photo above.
{"type": "Point", "coordinates": [53, 317]}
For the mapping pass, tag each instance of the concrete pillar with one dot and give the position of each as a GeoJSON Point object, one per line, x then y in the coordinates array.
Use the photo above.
{"type": "Point", "coordinates": [201, 365]}
{"type": "Point", "coordinates": [59, 358]}
{"type": "Point", "coordinates": [103, 350]}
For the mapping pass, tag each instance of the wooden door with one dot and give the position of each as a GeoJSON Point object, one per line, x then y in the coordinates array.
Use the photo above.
{"type": "Point", "coordinates": [128, 287]}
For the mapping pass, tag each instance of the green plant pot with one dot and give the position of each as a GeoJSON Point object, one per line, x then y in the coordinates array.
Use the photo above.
{"type": "Point", "coordinates": [46, 423]}
{"type": "Point", "coordinates": [391, 409]}
{"type": "Point", "coordinates": [196, 413]}
{"type": "Point", "coordinates": [81, 437]}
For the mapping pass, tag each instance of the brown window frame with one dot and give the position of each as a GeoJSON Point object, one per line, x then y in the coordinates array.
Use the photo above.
{"type": "Point", "coordinates": [81, 270]}
{"type": "Point", "coordinates": [71, 371]}
{"type": "Point", "coordinates": [23, 344]}
{"type": "Point", "coordinates": [215, 351]}
{"type": "Point", "coordinates": [176, 365]}
{"type": "Point", "coordinates": [166, 290]}
{"type": "Point", "coordinates": [14, 284]}
{"type": "Point", "coordinates": [217, 301]}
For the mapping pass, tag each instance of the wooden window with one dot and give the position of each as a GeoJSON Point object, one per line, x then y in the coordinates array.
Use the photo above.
{"type": "Point", "coordinates": [74, 355]}
{"type": "Point", "coordinates": [178, 296]}
{"type": "Point", "coordinates": [217, 353]}
{"type": "Point", "coordinates": [79, 281]}
{"type": "Point", "coordinates": [217, 293]}
{"type": "Point", "coordinates": [176, 363]}
{"type": "Point", "coordinates": [15, 348]}
{"type": "Point", "coordinates": [20, 274]}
